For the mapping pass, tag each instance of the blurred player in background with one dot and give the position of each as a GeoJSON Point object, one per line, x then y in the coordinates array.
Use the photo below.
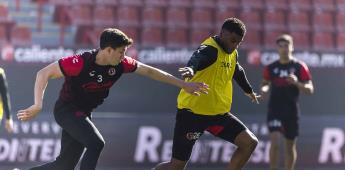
{"type": "Point", "coordinates": [5, 106]}
{"type": "Point", "coordinates": [215, 62]}
{"type": "Point", "coordinates": [88, 79]}
{"type": "Point", "coordinates": [285, 78]}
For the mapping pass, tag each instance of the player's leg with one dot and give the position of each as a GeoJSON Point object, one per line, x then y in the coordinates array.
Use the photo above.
{"type": "Point", "coordinates": [69, 156]}
{"type": "Point", "coordinates": [275, 128]}
{"type": "Point", "coordinates": [79, 126]}
{"type": "Point", "coordinates": [230, 128]}
{"type": "Point", "coordinates": [187, 131]}
{"type": "Point", "coordinates": [290, 154]}
{"type": "Point", "coordinates": [291, 134]}
{"type": "Point", "coordinates": [274, 149]}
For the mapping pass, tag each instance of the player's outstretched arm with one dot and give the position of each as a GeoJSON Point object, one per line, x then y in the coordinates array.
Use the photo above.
{"type": "Point", "coordinates": [51, 71]}
{"type": "Point", "coordinates": [194, 88]}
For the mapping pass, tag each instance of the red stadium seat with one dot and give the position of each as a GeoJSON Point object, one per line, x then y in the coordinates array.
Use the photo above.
{"type": "Point", "coordinates": [80, 15]}
{"type": "Point", "coordinates": [107, 2]}
{"type": "Point", "coordinates": [233, 4]}
{"type": "Point", "coordinates": [201, 18]}
{"type": "Point", "coordinates": [270, 38]}
{"type": "Point", "coordinates": [21, 36]}
{"type": "Point", "coordinates": [339, 21]}
{"type": "Point", "coordinates": [323, 5]}
{"type": "Point", "coordinates": [161, 3]}
{"type": "Point", "coordinates": [151, 36]}
{"type": "Point", "coordinates": [252, 19]}
{"type": "Point", "coordinates": [252, 40]}
{"type": "Point", "coordinates": [3, 35]}
{"type": "Point", "coordinates": [176, 37]}
{"type": "Point", "coordinates": [301, 40]}
{"type": "Point", "coordinates": [3, 12]}
{"type": "Point", "coordinates": [252, 4]}
{"type": "Point", "coordinates": [131, 2]}
{"type": "Point", "coordinates": [82, 2]}
{"type": "Point", "coordinates": [298, 20]}
{"type": "Point", "coordinates": [203, 4]}
{"type": "Point", "coordinates": [131, 32]}
{"type": "Point", "coordinates": [301, 5]}
{"type": "Point", "coordinates": [323, 41]}
{"type": "Point", "coordinates": [274, 20]}
{"type": "Point", "coordinates": [60, 2]}
{"type": "Point", "coordinates": [323, 21]}
{"type": "Point", "coordinates": [128, 16]}
{"type": "Point", "coordinates": [103, 15]}
{"type": "Point", "coordinates": [276, 4]}
{"type": "Point", "coordinates": [223, 13]}
{"type": "Point", "coordinates": [340, 41]}
{"type": "Point", "coordinates": [340, 5]}
{"type": "Point", "coordinates": [180, 3]}
{"type": "Point", "coordinates": [152, 15]}
{"type": "Point", "coordinates": [177, 17]}
{"type": "Point", "coordinates": [198, 36]}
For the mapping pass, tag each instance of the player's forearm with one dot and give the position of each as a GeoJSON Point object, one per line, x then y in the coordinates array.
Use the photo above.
{"type": "Point", "coordinates": [306, 88]}
{"type": "Point", "coordinates": [165, 77]}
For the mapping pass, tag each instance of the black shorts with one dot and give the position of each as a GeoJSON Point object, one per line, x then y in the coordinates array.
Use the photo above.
{"type": "Point", "coordinates": [189, 127]}
{"type": "Point", "coordinates": [287, 125]}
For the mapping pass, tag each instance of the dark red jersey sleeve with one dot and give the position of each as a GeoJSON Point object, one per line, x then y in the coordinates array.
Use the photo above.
{"type": "Point", "coordinates": [72, 65]}
{"type": "Point", "coordinates": [129, 64]}
{"type": "Point", "coordinates": [304, 73]}
{"type": "Point", "coordinates": [266, 73]}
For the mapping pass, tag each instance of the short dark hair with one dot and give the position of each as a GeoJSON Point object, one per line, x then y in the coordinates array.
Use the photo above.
{"type": "Point", "coordinates": [114, 38]}
{"type": "Point", "coordinates": [285, 37]}
{"type": "Point", "coordinates": [234, 25]}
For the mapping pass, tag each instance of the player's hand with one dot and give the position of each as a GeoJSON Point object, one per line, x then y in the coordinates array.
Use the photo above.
{"type": "Point", "coordinates": [28, 113]}
{"type": "Point", "coordinates": [254, 97]}
{"type": "Point", "coordinates": [186, 72]}
{"type": "Point", "coordinates": [195, 88]}
{"type": "Point", "coordinates": [292, 79]}
{"type": "Point", "coordinates": [9, 125]}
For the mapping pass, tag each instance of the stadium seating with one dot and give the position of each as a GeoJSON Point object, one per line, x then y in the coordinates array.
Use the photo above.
{"type": "Point", "coordinates": [233, 4]}
{"type": "Point", "coordinates": [300, 5]}
{"type": "Point", "coordinates": [221, 14]}
{"type": "Point", "coordinates": [276, 4]}
{"type": "Point", "coordinates": [3, 35]}
{"type": "Point", "coordinates": [201, 18]}
{"type": "Point", "coordinates": [176, 37]}
{"type": "Point", "coordinates": [340, 38]}
{"type": "Point", "coordinates": [151, 36]}
{"type": "Point", "coordinates": [153, 15]}
{"type": "Point", "coordinates": [301, 40]}
{"type": "Point", "coordinates": [252, 40]}
{"type": "Point", "coordinates": [103, 15]}
{"type": "Point", "coordinates": [298, 20]}
{"type": "Point", "coordinates": [323, 5]}
{"type": "Point", "coordinates": [274, 20]}
{"type": "Point", "coordinates": [322, 21]}
{"type": "Point", "coordinates": [270, 38]}
{"type": "Point", "coordinates": [340, 5]}
{"type": "Point", "coordinates": [339, 21]}
{"type": "Point", "coordinates": [21, 35]}
{"type": "Point", "coordinates": [198, 36]}
{"type": "Point", "coordinates": [127, 15]}
{"type": "Point", "coordinates": [252, 4]}
{"type": "Point", "coordinates": [177, 17]}
{"type": "Point", "coordinates": [252, 19]}
{"type": "Point", "coordinates": [323, 41]}
{"type": "Point", "coordinates": [160, 3]}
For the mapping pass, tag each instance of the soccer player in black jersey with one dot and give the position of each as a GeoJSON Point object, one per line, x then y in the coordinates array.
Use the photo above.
{"type": "Point", "coordinates": [215, 62]}
{"type": "Point", "coordinates": [285, 78]}
{"type": "Point", "coordinates": [5, 106]}
{"type": "Point", "coordinates": [88, 79]}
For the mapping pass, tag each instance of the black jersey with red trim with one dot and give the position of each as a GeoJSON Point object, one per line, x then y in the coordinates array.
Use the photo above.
{"type": "Point", "coordinates": [284, 96]}
{"type": "Point", "coordinates": [86, 83]}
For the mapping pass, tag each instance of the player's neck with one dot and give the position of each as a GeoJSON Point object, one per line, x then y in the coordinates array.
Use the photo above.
{"type": "Point", "coordinates": [101, 59]}
{"type": "Point", "coordinates": [285, 60]}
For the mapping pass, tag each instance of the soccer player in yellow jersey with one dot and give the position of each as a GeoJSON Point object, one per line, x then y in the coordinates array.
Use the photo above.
{"type": "Point", "coordinates": [215, 63]}
{"type": "Point", "coordinates": [5, 102]}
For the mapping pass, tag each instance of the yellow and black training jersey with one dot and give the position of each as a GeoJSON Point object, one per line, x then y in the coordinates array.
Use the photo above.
{"type": "Point", "coordinates": [215, 67]}
{"type": "Point", "coordinates": [4, 100]}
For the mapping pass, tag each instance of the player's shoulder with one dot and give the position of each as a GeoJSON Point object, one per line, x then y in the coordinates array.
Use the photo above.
{"type": "Point", "coordinates": [207, 50]}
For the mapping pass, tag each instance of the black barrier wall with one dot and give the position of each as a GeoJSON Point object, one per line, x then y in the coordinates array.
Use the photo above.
{"type": "Point", "coordinates": [136, 140]}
